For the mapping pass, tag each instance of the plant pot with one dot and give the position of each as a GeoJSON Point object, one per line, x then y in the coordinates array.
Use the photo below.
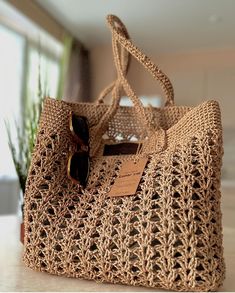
{"type": "Point", "coordinates": [22, 233]}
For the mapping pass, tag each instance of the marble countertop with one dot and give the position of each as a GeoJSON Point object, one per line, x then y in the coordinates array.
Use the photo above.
{"type": "Point", "coordinates": [14, 276]}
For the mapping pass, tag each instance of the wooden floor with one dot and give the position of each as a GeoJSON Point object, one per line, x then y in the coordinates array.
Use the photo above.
{"type": "Point", "coordinates": [14, 276]}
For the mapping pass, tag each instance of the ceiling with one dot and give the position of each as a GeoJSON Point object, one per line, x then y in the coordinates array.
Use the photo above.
{"type": "Point", "coordinates": [163, 26]}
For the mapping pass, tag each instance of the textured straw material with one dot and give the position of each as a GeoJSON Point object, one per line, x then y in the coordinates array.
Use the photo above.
{"type": "Point", "coordinates": [168, 234]}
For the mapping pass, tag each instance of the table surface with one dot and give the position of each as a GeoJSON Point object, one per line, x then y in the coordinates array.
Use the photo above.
{"type": "Point", "coordinates": [14, 276]}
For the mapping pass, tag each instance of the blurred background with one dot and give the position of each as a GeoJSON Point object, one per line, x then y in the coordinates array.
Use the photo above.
{"type": "Point", "coordinates": [62, 48]}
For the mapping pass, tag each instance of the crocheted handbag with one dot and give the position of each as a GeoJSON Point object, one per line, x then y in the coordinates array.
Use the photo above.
{"type": "Point", "coordinates": [150, 217]}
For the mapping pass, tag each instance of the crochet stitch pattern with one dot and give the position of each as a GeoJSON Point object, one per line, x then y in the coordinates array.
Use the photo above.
{"type": "Point", "coordinates": [169, 234]}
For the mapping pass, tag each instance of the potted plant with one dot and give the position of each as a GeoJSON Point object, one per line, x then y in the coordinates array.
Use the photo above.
{"type": "Point", "coordinates": [26, 131]}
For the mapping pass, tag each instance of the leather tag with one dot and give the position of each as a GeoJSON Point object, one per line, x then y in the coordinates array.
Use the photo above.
{"type": "Point", "coordinates": [129, 177]}
{"type": "Point", "coordinates": [121, 149]}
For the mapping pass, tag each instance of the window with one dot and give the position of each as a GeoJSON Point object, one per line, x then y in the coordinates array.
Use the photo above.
{"type": "Point", "coordinates": [24, 49]}
{"type": "Point", "coordinates": [49, 73]}
{"type": "Point", "coordinates": [11, 76]}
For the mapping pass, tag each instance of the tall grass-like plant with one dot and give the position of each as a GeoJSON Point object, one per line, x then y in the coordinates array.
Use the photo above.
{"type": "Point", "coordinates": [26, 129]}
{"type": "Point", "coordinates": [22, 147]}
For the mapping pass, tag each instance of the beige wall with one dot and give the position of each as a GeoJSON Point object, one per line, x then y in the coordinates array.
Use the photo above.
{"type": "Point", "coordinates": [196, 76]}
{"type": "Point", "coordinates": [102, 69]}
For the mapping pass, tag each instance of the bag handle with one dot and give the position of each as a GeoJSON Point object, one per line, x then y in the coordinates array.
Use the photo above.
{"type": "Point", "coordinates": [120, 33]}
{"type": "Point", "coordinates": [118, 38]}
{"type": "Point", "coordinates": [113, 22]}
{"type": "Point", "coordinates": [125, 61]}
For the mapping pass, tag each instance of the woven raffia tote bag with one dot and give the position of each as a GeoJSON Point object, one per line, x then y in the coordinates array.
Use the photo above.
{"type": "Point", "coordinates": [168, 233]}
